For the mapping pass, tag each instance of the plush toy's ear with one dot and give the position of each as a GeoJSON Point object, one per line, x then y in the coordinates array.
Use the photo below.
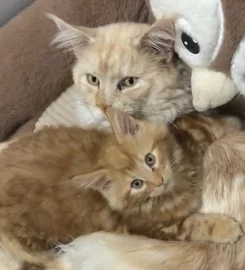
{"type": "Point", "coordinates": [97, 180]}
{"type": "Point", "coordinates": [69, 37]}
{"type": "Point", "coordinates": [122, 124]}
{"type": "Point", "coordinates": [160, 38]}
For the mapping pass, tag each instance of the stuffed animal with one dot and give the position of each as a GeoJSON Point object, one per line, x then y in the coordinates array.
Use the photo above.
{"type": "Point", "coordinates": [210, 38]}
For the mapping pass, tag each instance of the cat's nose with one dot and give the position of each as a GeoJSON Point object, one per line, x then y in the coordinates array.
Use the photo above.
{"type": "Point", "coordinates": [100, 98]}
{"type": "Point", "coordinates": [103, 107]}
{"type": "Point", "coordinates": [102, 103]}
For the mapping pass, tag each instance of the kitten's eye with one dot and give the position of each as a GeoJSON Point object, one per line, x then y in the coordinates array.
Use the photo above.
{"type": "Point", "coordinates": [127, 82]}
{"type": "Point", "coordinates": [150, 159]}
{"type": "Point", "coordinates": [93, 80]}
{"type": "Point", "coordinates": [137, 183]}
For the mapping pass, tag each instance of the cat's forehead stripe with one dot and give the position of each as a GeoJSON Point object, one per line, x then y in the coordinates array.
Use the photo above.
{"type": "Point", "coordinates": [116, 46]}
{"type": "Point", "coordinates": [114, 61]}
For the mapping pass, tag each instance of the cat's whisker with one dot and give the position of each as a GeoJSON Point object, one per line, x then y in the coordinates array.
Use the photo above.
{"type": "Point", "coordinates": [81, 102]}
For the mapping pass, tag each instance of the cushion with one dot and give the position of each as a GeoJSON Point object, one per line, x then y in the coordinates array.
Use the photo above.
{"type": "Point", "coordinates": [10, 8]}
{"type": "Point", "coordinates": [33, 74]}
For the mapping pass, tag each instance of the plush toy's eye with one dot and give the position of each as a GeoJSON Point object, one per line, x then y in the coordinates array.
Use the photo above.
{"type": "Point", "coordinates": [190, 44]}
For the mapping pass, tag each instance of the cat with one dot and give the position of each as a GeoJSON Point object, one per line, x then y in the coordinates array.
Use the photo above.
{"type": "Point", "coordinates": [61, 183]}
{"type": "Point", "coordinates": [129, 66]}
{"type": "Point", "coordinates": [223, 192]}
{"type": "Point", "coordinates": [163, 217]}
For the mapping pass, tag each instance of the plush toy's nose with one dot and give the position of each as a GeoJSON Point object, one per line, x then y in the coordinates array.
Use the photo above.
{"type": "Point", "coordinates": [211, 89]}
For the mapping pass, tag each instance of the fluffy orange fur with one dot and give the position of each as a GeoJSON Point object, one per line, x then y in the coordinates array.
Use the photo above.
{"type": "Point", "coordinates": [223, 192]}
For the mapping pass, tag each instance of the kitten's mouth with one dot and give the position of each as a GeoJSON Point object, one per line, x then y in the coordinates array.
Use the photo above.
{"type": "Point", "coordinates": [159, 190]}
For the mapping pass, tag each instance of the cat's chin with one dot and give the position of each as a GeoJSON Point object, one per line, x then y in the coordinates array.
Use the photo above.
{"type": "Point", "coordinates": [89, 116]}
{"type": "Point", "coordinates": [158, 191]}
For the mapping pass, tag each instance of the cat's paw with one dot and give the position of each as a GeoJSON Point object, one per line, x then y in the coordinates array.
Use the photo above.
{"type": "Point", "coordinates": [224, 229]}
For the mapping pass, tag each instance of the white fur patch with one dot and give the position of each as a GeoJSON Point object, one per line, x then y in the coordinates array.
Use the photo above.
{"type": "Point", "coordinates": [70, 110]}
{"type": "Point", "coordinates": [225, 200]}
{"type": "Point", "coordinates": [105, 251]}
{"type": "Point", "coordinates": [7, 261]}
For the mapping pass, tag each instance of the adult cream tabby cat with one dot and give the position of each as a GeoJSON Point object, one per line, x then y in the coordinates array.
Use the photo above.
{"type": "Point", "coordinates": [129, 66]}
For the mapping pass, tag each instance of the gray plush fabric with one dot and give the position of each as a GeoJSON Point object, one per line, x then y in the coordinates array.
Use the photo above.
{"type": "Point", "coordinates": [9, 8]}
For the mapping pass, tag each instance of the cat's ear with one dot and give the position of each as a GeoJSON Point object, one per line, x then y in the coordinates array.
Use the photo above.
{"type": "Point", "coordinates": [122, 123]}
{"type": "Point", "coordinates": [70, 37]}
{"type": "Point", "coordinates": [97, 180]}
{"type": "Point", "coordinates": [160, 38]}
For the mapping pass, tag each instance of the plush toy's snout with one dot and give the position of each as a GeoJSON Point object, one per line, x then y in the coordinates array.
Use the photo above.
{"type": "Point", "coordinates": [211, 89]}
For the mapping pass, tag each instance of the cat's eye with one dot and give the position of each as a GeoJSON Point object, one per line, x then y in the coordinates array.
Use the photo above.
{"type": "Point", "coordinates": [93, 80]}
{"type": "Point", "coordinates": [137, 183]}
{"type": "Point", "coordinates": [150, 159]}
{"type": "Point", "coordinates": [127, 82]}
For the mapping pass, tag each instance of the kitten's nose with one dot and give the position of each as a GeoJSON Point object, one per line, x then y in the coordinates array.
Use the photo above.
{"type": "Point", "coordinates": [158, 177]}
{"type": "Point", "coordinates": [161, 183]}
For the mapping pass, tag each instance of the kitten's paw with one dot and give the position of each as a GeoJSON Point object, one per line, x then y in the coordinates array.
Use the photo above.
{"type": "Point", "coordinates": [224, 229]}
{"type": "Point", "coordinates": [211, 227]}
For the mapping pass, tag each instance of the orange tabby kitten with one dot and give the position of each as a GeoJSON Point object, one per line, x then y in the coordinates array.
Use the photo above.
{"type": "Point", "coordinates": [164, 217]}
{"type": "Point", "coordinates": [60, 183]}
{"type": "Point", "coordinates": [223, 192]}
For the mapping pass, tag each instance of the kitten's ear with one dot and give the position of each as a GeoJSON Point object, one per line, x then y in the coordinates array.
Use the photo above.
{"type": "Point", "coordinates": [97, 180]}
{"type": "Point", "coordinates": [122, 123]}
{"type": "Point", "coordinates": [160, 38]}
{"type": "Point", "coordinates": [70, 37]}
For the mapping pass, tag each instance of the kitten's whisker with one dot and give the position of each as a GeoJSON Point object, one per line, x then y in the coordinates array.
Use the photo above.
{"type": "Point", "coordinates": [172, 162]}
{"type": "Point", "coordinates": [179, 130]}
